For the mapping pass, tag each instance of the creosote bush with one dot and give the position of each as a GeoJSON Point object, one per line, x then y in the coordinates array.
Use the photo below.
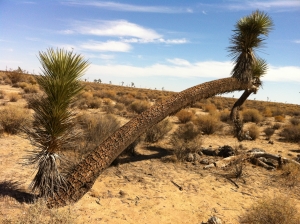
{"type": "Point", "coordinates": [269, 132]}
{"type": "Point", "coordinates": [291, 133]}
{"type": "Point", "coordinates": [295, 120]}
{"type": "Point", "coordinates": [158, 131]}
{"type": "Point", "coordinates": [186, 139]}
{"type": "Point", "coordinates": [14, 118]}
{"type": "Point", "coordinates": [208, 124]}
{"type": "Point", "coordinates": [251, 115]}
{"type": "Point", "coordinates": [277, 210]}
{"type": "Point", "coordinates": [253, 131]}
{"type": "Point", "coordinates": [96, 128]}
{"type": "Point", "coordinates": [139, 106]}
{"type": "Point", "coordinates": [14, 97]}
{"type": "Point", "coordinates": [184, 116]}
{"type": "Point", "coordinates": [279, 118]}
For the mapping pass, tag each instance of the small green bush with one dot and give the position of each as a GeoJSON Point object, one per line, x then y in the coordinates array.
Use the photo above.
{"type": "Point", "coordinates": [184, 116]}
{"type": "Point", "coordinates": [269, 132]}
{"type": "Point", "coordinates": [252, 115]}
{"type": "Point", "coordinates": [13, 118]}
{"type": "Point", "coordinates": [277, 210]}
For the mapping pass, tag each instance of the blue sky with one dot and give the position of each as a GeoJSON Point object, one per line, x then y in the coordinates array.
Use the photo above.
{"type": "Point", "coordinates": [155, 44]}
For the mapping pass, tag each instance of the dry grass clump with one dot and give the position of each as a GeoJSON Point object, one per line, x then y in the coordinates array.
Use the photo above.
{"type": "Point", "coordinates": [253, 131]}
{"type": "Point", "coordinates": [94, 103]}
{"type": "Point", "coordinates": [31, 89]}
{"type": "Point", "coordinates": [13, 118]}
{"type": "Point", "coordinates": [291, 175]}
{"type": "Point", "coordinates": [252, 115]}
{"type": "Point", "coordinates": [186, 139]}
{"type": "Point", "coordinates": [291, 133]}
{"type": "Point", "coordinates": [16, 77]}
{"type": "Point", "coordinates": [184, 116]}
{"type": "Point", "coordinates": [158, 131]}
{"type": "Point", "coordinates": [277, 210]}
{"type": "Point", "coordinates": [139, 106]}
{"type": "Point", "coordinates": [279, 118]}
{"type": "Point", "coordinates": [208, 124]}
{"type": "Point", "coordinates": [277, 126]}
{"type": "Point", "coordinates": [38, 213]}
{"type": "Point", "coordinates": [14, 97]}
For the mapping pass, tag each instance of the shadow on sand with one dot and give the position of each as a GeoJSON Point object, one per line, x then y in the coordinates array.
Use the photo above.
{"type": "Point", "coordinates": [12, 189]}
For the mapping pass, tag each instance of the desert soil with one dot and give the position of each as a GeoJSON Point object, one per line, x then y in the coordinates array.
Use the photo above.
{"type": "Point", "coordinates": [142, 190]}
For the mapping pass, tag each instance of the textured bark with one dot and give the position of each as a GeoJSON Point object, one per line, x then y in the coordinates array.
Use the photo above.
{"type": "Point", "coordinates": [235, 116]}
{"type": "Point", "coordinates": [82, 178]}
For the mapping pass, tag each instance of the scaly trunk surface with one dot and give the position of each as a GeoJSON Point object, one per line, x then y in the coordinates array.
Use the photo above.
{"type": "Point", "coordinates": [235, 116]}
{"type": "Point", "coordinates": [82, 178]}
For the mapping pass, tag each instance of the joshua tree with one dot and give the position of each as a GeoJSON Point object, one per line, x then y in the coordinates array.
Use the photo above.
{"type": "Point", "coordinates": [83, 176]}
{"type": "Point", "coordinates": [53, 118]}
{"type": "Point", "coordinates": [247, 38]}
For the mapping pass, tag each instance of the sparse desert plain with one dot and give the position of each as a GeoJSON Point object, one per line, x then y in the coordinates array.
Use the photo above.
{"type": "Point", "coordinates": [157, 184]}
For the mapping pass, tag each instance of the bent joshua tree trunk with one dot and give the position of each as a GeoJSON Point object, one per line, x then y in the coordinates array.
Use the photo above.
{"type": "Point", "coordinates": [82, 177]}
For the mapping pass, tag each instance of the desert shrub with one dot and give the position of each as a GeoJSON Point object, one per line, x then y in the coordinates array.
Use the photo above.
{"type": "Point", "coordinates": [279, 118]}
{"type": "Point", "coordinates": [158, 131]}
{"type": "Point", "coordinates": [16, 77]}
{"type": "Point", "coordinates": [139, 106]}
{"type": "Point", "coordinates": [109, 108]}
{"type": "Point", "coordinates": [126, 100]}
{"type": "Point", "coordinates": [277, 111]}
{"type": "Point", "coordinates": [210, 108]}
{"type": "Point", "coordinates": [208, 124]}
{"type": "Point", "coordinates": [96, 128]}
{"type": "Point", "coordinates": [94, 103]}
{"type": "Point", "coordinates": [111, 94]}
{"type": "Point", "coordinates": [277, 210]}
{"type": "Point", "coordinates": [291, 133]}
{"type": "Point", "coordinates": [251, 115]}
{"type": "Point", "coordinates": [107, 101]}
{"type": "Point", "coordinates": [13, 118]}
{"type": "Point", "coordinates": [87, 95]}
{"type": "Point", "coordinates": [268, 112]}
{"type": "Point", "coordinates": [269, 132]}
{"type": "Point", "coordinates": [276, 126]}
{"type": "Point", "coordinates": [120, 106]}
{"type": "Point", "coordinates": [225, 115]}
{"type": "Point", "coordinates": [295, 120]}
{"type": "Point", "coordinates": [14, 97]}
{"type": "Point", "coordinates": [186, 139]}
{"type": "Point", "coordinates": [253, 131]}
{"type": "Point", "coordinates": [31, 89]}
{"type": "Point", "coordinates": [184, 116]}
{"type": "Point", "coordinates": [291, 174]}
{"type": "Point", "coordinates": [2, 94]}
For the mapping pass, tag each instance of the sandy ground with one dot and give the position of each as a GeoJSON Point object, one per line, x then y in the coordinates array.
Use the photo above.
{"type": "Point", "coordinates": [141, 190]}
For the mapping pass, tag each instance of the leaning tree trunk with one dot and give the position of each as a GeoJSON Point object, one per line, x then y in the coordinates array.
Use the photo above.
{"type": "Point", "coordinates": [82, 178]}
{"type": "Point", "coordinates": [235, 115]}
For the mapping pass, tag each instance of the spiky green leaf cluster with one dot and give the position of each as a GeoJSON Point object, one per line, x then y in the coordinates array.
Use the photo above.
{"type": "Point", "coordinates": [247, 37]}
{"type": "Point", "coordinates": [53, 118]}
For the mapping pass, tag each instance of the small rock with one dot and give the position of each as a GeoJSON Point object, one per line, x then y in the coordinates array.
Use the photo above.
{"type": "Point", "coordinates": [226, 151]}
{"type": "Point", "coordinates": [213, 220]}
{"type": "Point", "coordinates": [256, 150]}
{"type": "Point", "coordinates": [271, 142]}
{"type": "Point", "coordinates": [204, 161]}
{"type": "Point", "coordinates": [209, 152]}
{"type": "Point", "coordinates": [190, 157]}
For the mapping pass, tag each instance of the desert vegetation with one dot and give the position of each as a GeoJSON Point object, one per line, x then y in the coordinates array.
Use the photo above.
{"type": "Point", "coordinates": [87, 125]}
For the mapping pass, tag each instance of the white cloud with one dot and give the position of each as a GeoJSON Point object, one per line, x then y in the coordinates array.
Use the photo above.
{"type": "Point", "coordinates": [179, 62]}
{"type": "Point", "coordinates": [183, 68]}
{"type": "Point", "coordinates": [160, 40]}
{"type": "Point", "coordinates": [297, 41]}
{"type": "Point", "coordinates": [119, 28]}
{"type": "Point", "coordinates": [131, 8]}
{"type": "Point", "coordinates": [115, 46]}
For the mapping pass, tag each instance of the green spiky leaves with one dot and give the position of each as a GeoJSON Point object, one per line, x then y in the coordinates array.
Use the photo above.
{"type": "Point", "coordinates": [247, 37]}
{"type": "Point", "coordinates": [53, 124]}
